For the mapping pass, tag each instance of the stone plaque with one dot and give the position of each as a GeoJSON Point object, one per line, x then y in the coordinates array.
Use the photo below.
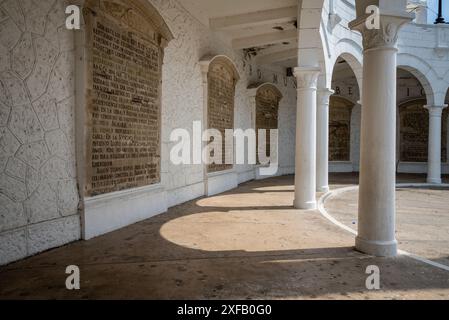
{"type": "Point", "coordinates": [220, 113]}
{"type": "Point", "coordinates": [267, 108]}
{"type": "Point", "coordinates": [414, 132]}
{"type": "Point", "coordinates": [123, 124]}
{"type": "Point", "coordinates": [339, 129]}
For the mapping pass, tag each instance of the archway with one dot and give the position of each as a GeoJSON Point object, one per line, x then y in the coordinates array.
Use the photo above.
{"type": "Point", "coordinates": [344, 117]}
{"type": "Point", "coordinates": [413, 94]}
{"type": "Point", "coordinates": [413, 131]}
{"type": "Point", "coordinates": [340, 129]}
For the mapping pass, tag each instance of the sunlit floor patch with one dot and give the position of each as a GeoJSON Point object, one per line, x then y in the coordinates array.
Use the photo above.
{"type": "Point", "coordinates": [422, 219]}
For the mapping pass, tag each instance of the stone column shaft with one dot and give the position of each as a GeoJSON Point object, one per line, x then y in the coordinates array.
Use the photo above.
{"type": "Point", "coordinates": [434, 154]}
{"type": "Point", "coordinates": [376, 222]}
{"type": "Point", "coordinates": [305, 160]}
{"type": "Point", "coordinates": [322, 161]}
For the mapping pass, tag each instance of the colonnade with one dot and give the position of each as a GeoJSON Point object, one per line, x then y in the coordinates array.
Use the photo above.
{"type": "Point", "coordinates": [376, 222]}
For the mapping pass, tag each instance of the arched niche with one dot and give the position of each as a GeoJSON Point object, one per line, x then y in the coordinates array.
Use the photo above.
{"type": "Point", "coordinates": [340, 111]}
{"type": "Point", "coordinates": [137, 15]}
{"type": "Point", "coordinates": [122, 51]}
{"type": "Point", "coordinates": [119, 58]}
{"type": "Point", "coordinates": [413, 131]}
{"type": "Point", "coordinates": [264, 100]}
{"type": "Point", "coordinates": [220, 77]}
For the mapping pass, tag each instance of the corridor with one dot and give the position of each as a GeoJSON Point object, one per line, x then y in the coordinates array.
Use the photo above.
{"type": "Point", "coordinates": [248, 243]}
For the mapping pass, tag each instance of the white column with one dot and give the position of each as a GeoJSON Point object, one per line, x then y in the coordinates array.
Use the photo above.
{"type": "Point", "coordinates": [434, 154]}
{"type": "Point", "coordinates": [305, 160]}
{"type": "Point", "coordinates": [376, 222]}
{"type": "Point", "coordinates": [322, 151]}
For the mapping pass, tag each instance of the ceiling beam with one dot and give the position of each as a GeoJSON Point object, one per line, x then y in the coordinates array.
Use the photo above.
{"type": "Point", "coordinates": [264, 39]}
{"type": "Point", "coordinates": [280, 15]}
{"type": "Point", "coordinates": [277, 56]}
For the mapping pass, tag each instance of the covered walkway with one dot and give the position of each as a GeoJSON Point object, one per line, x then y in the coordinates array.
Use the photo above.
{"type": "Point", "coordinates": [249, 243]}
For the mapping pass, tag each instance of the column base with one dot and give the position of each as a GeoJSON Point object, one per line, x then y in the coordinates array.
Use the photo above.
{"type": "Point", "coordinates": [434, 181]}
{"type": "Point", "coordinates": [324, 189]}
{"type": "Point", "coordinates": [311, 205]}
{"type": "Point", "coordinates": [377, 248]}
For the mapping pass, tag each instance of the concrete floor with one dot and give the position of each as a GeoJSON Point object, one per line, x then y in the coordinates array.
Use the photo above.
{"type": "Point", "coordinates": [249, 243]}
{"type": "Point", "coordinates": [422, 221]}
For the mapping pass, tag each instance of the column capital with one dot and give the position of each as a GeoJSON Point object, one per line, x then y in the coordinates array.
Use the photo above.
{"type": "Point", "coordinates": [435, 111]}
{"type": "Point", "coordinates": [323, 96]}
{"type": "Point", "coordinates": [386, 36]}
{"type": "Point", "coordinates": [307, 77]}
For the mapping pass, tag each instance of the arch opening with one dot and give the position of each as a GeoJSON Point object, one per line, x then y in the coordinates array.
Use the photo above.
{"type": "Point", "coordinates": [344, 117]}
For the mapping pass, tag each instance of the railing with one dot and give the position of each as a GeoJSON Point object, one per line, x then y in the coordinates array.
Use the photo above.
{"type": "Point", "coordinates": [440, 18]}
{"type": "Point", "coordinates": [429, 11]}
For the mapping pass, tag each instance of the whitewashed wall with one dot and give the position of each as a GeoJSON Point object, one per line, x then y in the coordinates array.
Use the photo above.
{"type": "Point", "coordinates": [38, 191]}
{"type": "Point", "coordinates": [38, 184]}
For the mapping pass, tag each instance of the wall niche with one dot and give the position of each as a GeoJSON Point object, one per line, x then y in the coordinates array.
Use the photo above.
{"type": "Point", "coordinates": [124, 49]}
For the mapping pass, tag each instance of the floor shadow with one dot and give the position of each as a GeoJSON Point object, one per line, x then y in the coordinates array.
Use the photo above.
{"type": "Point", "coordinates": [146, 261]}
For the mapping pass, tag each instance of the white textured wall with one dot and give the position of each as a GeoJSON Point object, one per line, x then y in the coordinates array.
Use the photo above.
{"type": "Point", "coordinates": [38, 191]}
{"type": "Point", "coordinates": [182, 96]}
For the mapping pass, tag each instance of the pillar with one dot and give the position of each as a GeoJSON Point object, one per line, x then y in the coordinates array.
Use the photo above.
{"type": "Point", "coordinates": [434, 154]}
{"type": "Point", "coordinates": [322, 152]}
{"type": "Point", "coordinates": [305, 156]}
{"type": "Point", "coordinates": [376, 212]}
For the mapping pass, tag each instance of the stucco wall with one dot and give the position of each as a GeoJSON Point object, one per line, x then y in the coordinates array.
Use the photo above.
{"type": "Point", "coordinates": [38, 191]}
{"type": "Point", "coordinates": [38, 184]}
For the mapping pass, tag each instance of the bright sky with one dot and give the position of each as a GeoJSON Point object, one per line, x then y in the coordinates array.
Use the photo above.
{"type": "Point", "coordinates": [433, 10]}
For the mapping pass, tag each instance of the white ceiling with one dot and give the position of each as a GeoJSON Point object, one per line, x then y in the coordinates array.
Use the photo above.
{"type": "Point", "coordinates": [203, 10]}
{"type": "Point", "coordinates": [264, 26]}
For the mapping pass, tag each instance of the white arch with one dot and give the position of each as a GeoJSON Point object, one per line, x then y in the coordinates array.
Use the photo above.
{"type": "Point", "coordinates": [444, 89]}
{"type": "Point", "coordinates": [352, 53]}
{"type": "Point", "coordinates": [425, 74]}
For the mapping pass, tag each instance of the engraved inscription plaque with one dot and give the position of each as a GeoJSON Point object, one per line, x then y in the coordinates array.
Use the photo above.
{"type": "Point", "coordinates": [267, 107]}
{"type": "Point", "coordinates": [340, 129]}
{"type": "Point", "coordinates": [123, 118]}
{"type": "Point", "coordinates": [414, 132]}
{"type": "Point", "coordinates": [220, 113]}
